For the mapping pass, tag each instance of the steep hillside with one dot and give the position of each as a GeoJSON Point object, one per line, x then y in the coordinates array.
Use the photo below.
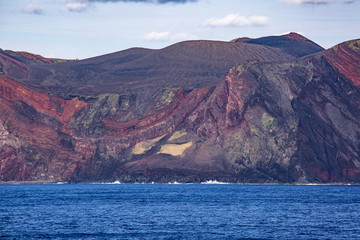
{"type": "Point", "coordinates": [271, 118]}
{"type": "Point", "coordinates": [18, 65]}
{"type": "Point", "coordinates": [30, 58]}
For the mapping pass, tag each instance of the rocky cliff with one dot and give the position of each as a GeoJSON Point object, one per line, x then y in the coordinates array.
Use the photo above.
{"type": "Point", "coordinates": [274, 109]}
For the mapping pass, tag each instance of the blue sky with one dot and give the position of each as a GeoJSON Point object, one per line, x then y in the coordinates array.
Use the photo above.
{"type": "Point", "coordinates": [87, 28]}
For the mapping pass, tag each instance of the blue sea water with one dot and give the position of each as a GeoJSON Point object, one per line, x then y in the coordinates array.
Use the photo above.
{"type": "Point", "coordinates": [164, 211]}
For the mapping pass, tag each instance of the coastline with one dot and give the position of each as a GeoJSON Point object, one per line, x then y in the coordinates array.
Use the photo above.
{"type": "Point", "coordinates": [209, 182]}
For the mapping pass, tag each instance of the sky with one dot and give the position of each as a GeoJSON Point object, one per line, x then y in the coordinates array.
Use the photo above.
{"type": "Point", "coordinates": [86, 28]}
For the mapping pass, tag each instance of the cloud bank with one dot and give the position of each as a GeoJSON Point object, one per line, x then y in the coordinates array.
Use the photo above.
{"type": "Point", "coordinates": [298, 2]}
{"type": "Point", "coordinates": [33, 8]}
{"type": "Point", "coordinates": [236, 20]}
{"type": "Point", "coordinates": [82, 5]}
{"type": "Point", "coordinates": [147, 1]}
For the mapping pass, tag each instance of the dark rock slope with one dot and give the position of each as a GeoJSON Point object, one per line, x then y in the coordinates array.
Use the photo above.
{"type": "Point", "coordinates": [195, 111]}
{"type": "Point", "coordinates": [292, 43]}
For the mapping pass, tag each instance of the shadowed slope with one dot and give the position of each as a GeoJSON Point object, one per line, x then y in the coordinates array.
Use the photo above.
{"type": "Point", "coordinates": [292, 43]}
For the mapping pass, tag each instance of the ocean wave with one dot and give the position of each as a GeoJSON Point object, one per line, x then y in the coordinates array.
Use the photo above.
{"type": "Point", "coordinates": [213, 182]}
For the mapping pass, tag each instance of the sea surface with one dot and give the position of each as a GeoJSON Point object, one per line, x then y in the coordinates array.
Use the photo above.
{"type": "Point", "coordinates": [179, 211]}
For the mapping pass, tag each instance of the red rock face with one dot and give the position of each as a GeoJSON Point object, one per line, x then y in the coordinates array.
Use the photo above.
{"type": "Point", "coordinates": [33, 58]}
{"type": "Point", "coordinates": [14, 62]}
{"type": "Point", "coordinates": [295, 121]}
{"type": "Point", "coordinates": [34, 131]}
{"type": "Point", "coordinates": [345, 58]}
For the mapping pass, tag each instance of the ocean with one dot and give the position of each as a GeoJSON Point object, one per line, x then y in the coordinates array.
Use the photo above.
{"type": "Point", "coordinates": [179, 211]}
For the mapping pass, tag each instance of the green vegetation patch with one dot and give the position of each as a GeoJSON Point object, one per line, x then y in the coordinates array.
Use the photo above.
{"type": "Point", "coordinates": [166, 98]}
{"type": "Point", "coordinates": [268, 122]}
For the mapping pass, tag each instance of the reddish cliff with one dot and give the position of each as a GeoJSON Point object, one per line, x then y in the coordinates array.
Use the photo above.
{"type": "Point", "coordinates": [35, 143]}
{"type": "Point", "coordinates": [270, 119]}
{"type": "Point", "coordinates": [31, 58]}
{"type": "Point", "coordinates": [345, 57]}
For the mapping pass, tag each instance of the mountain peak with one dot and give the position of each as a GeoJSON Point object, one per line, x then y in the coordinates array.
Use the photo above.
{"type": "Point", "coordinates": [294, 35]}
{"type": "Point", "coordinates": [293, 43]}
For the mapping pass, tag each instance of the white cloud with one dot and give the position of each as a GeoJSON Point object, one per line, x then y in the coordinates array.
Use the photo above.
{"type": "Point", "coordinates": [236, 20]}
{"type": "Point", "coordinates": [157, 36]}
{"type": "Point", "coordinates": [168, 36]}
{"type": "Point", "coordinates": [298, 2]}
{"type": "Point", "coordinates": [33, 8]}
{"type": "Point", "coordinates": [77, 7]}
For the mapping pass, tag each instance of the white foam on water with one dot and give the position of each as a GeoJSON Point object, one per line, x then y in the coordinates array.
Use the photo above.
{"type": "Point", "coordinates": [214, 182]}
{"type": "Point", "coordinates": [115, 182]}
{"type": "Point", "coordinates": [175, 182]}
